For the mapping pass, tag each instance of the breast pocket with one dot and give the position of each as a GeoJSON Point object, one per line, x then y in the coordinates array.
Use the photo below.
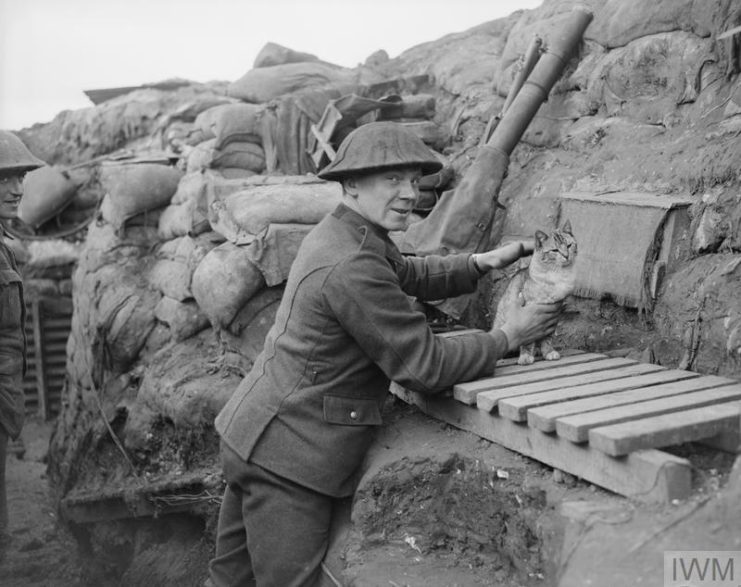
{"type": "Point", "coordinates": [351, 411]}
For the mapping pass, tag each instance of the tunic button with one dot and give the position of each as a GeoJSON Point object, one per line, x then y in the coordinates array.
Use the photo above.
{"type": "Point", "coordinates": [353, 415]}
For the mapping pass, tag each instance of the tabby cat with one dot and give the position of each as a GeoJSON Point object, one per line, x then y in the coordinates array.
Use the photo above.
{"type": "Point", "coordinates": [549, 278]}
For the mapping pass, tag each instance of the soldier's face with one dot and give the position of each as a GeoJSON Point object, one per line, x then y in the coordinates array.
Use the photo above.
{"type": "Point", "coordinates": [386, 198]}
{"type": "Point", "coordinates": [11, 190]}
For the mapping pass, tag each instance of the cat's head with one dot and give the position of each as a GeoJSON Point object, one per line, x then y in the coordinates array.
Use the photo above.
{"type": "Point", "coordinates": [555, 250]}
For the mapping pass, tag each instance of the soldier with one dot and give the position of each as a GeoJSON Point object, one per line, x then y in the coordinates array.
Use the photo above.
{"type": "Point", "coordinates": [15, 161]}
{"type": "Point", "coordinates": [296, 429]}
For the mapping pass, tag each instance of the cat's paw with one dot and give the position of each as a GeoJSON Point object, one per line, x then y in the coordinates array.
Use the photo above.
{"type": "Point", "coordinates": [526, 360]}
{"type": "Point", "coordinates": [552, 356]}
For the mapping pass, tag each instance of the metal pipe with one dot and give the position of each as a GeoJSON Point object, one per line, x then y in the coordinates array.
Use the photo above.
{"type": "Point", "coordinates": [534, 92]}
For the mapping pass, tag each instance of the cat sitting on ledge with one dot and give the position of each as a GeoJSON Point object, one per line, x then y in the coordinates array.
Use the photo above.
{"type": "Point", "coordinates": [549, 278]}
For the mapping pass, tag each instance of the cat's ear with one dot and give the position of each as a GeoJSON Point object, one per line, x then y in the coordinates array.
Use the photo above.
{"type": "Point", "coordinates": [540, 238]}
{"type": "Point", "coordinates": [567, 228]}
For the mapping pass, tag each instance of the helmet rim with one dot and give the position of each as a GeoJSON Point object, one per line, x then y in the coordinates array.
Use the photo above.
{"type": "Point", "coordinates": [377, 146]}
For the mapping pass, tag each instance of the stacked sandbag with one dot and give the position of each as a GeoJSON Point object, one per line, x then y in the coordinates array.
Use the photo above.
{"type": "Point", "coordinates": [128, 121]}
{"type": "Point", "coordinates": [175, 262]}
{"type": "Point", "coordinates": [264, 220]}
{"type": "Point", "coordinates": [88, 196]}
{"type": "Point", "coordinates": [262, 84]}
{"type": "Point", "coordinates": [188, 212]}
{"type": "Point", "coordinates": [224, 281]}
{"type": "Point", "coordinates": [227, 138]}
{"type": "Point", "coordinates": [230, 123]}
{"type": "Point", "coordinates": [172, 275]}
{"type": "Point", "coordinates": [136, 189]}
{"type": "Point", "coordinates": [244, 216]}
{"type": "Point", "coordinates": [179, 129]}
{"type": "Point", "coordinates": [416, 112]}
{"type": "Point", "coordinates": [46, 192]}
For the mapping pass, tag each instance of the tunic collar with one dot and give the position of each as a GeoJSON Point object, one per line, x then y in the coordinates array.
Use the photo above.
{"type": "Point", "coordinates": [368, 229]}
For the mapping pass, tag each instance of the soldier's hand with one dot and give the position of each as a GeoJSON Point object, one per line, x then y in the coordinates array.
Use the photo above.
{"type": "Point", "coordinates": [526, 323]}
{"type": "Point", "coordinates": [502, 256]}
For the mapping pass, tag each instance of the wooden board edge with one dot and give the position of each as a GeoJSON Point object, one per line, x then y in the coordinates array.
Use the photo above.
{"type": "Point", "coordinates": [646, 475]}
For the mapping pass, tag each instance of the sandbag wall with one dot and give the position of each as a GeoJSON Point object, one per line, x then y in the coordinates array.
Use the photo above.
{"type": "Point", "coordinates": [182, 270]}
{"type": "Point", "coordinates": [169, 315]}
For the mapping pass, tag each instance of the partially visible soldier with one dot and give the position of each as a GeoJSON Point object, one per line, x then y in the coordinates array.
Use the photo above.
{"type": "Point", "coordinates": [15, 161]}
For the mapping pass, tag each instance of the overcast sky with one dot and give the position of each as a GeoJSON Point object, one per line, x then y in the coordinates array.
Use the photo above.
{"type": "Point", "coordinates": [52, 50]}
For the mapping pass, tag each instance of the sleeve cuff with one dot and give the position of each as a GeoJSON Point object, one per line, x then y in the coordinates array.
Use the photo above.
{"type": "Point", "coordinates": [476, 267]}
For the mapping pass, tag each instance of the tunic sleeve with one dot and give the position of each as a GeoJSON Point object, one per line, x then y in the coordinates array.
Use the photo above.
{"type": "Point", "coordinates": [365, 295]}
{"type": "Point", "coordinates": [12, 351]}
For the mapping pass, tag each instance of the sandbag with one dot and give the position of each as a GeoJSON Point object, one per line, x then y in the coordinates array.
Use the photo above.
{"type": "Point", "coordinates": [266, 83]}
{"type": "Point", "coordinates": [177, 259]}
{"type": "Point", "coordinates": [199, 157]}
{"type": "Point", "coordinates": [233, 122]}
{"type": "Point", "coordinates": [46, 192]}
{"type": "Point", "coordinates": [432, 134]}
{"type": "Point", "coordinates": [128, 315]}
{"type": "Point", "coordinates": [203, 127]}
{"type": "Point", "coordinates": [183, 318]}
{"type": "Point", "coordinates": [243, 215]}
{"type": "Point", "coordinates": [192, 186]}
{"type": "Point", "coordinates": [134, 189]}
{"type": "Point", "coordinates": [187, 213]}
{"type": "Point", "coordinates": [239, 155]}
{"type": "Point", "coordinates": [176, 135]}
{"type": "Point", "coordinates": [250, 327]}
{"type": "Point", "coordinates": [172, 278]}
{"type": "Point", "coordinates": [223, 282]}
{"type": "Point", "coordinates": [274, 54]}
{"type": "Point", "coordinates": [235, 155]}
{"type": "Point", "coordinates": [236, 173]}
{"type": "Point", "coordinates": [274, 252]}
{"type": "Point", "coordinates": [181, 220]}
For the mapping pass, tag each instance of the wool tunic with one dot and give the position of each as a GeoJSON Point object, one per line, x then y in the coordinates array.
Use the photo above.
{"type": "Point", "coordinates": [12, 344]}
{"type": "Point", "coordinates": [345, 327]}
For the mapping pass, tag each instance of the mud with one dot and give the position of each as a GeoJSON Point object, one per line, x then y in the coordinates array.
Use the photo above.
{"type": "Point", "coordinates": [462, 513]}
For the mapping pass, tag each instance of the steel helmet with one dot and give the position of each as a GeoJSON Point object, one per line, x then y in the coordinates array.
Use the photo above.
{"type": "Point", "coordinates": [379, 145]}
{"type": "Point", "coordinates": [15, 156]}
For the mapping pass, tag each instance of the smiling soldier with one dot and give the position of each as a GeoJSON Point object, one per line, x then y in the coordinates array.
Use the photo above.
{"type": "Point", "coordinates": [15, 161]}
{"type": "Point", "coordinates": [296, 430]}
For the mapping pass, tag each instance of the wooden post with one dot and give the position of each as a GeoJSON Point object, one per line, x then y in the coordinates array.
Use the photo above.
{"type": "Point", "coordinates": [43, 407]}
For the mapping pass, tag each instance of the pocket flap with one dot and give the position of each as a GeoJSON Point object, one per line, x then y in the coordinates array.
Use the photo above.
{"type": "Point", "coordinates": [8, 276]}
{"type": "Point", "coordinates": [351, 411]}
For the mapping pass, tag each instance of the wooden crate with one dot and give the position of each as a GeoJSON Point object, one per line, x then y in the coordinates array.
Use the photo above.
{"type": "Point", "coordinates": [48, 323]}
{"type": "Point", "coordinates": [602, 419]}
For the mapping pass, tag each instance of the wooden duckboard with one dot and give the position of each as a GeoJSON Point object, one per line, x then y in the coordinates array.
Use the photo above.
{"type": "Point", "coordinates": [596, 417]}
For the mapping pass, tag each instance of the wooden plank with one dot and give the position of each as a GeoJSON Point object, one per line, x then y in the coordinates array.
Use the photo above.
{"type": "Point", "coordinates": [512, 361]}
{"type": "Point", "coordinates": [488, 400]}
{"type": "Point", "coordinates": [566, 359]}
{"type": "Point", "coordinates": [466, 392]}
{"type": "Point", "coordinates": [667, 429]}
{"type": "Point", "coordinates": [577, 426]}
{"type": "Point", "coordinates": [651, 200]}
{"type": "Point", "coordinates": [626, 391]}
{"type": "Point", "coordinates": [516, 408]}
{"type": "Point", "coordinates": [648, 475]}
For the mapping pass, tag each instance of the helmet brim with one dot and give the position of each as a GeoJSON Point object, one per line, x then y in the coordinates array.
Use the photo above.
{"type": "Point", "coordinates": [427, 168]}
